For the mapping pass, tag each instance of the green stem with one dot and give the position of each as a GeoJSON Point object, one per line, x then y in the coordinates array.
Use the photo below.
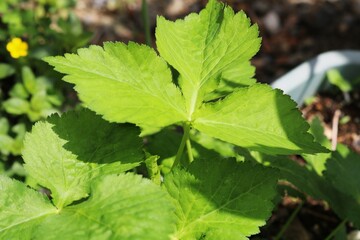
{"type": "Point", "coordinates": [288, 222]}
{"type": "Point", "coordinates": [332, 234]}
{"type": "Point", "coordinates": [153, 168]}
{"type": "Point", "coordinates": [145, 19]}
{"type": "Point", "coordinates": [182, 145]}
{"type": "Point", "coordinates": [189, 150]}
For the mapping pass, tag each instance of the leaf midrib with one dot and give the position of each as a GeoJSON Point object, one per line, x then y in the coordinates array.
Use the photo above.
{"type": "Point", "coordinates": [262, 131]}
{"type": "Point", "coordinates": [53, 212]}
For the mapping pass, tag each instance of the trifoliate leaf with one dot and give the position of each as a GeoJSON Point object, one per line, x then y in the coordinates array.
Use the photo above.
{"type": "Point", "coordinates": [119, 207]}
{"type": "Point", "coordinates": [258, 118]}
{"type": "Point", "coordinates": [221, 199]}
{"type": "Point", "coordinates": [205, 47]}
{"type": "Point", "coordinates": [21, 209]}
{"type": "Point", "coordinates": [124, 83]}
{"type": "Point", "coordinates": [64, 153]}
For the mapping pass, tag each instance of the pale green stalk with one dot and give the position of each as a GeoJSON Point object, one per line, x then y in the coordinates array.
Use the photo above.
{"type": "Point", "coordinates": [180, 151]}
{"type": "Point", "coordinates": [189, 150]}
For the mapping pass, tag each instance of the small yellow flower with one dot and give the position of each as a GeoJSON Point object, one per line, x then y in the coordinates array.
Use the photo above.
{"type": "Point", "coordinates": [17, 48]}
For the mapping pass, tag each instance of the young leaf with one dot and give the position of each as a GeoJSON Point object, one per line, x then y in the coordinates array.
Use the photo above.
{"type": "Point", "coordinates": [258, 118]}
{"type": "Point", "coordinates": [338, 80]}
{"type": "Point", "coordinates": [206, 47]}
{"type": "Point", "coordinates": [21, 209]}
{"type": "Point", "coordinates": [221, 199]}
{"type": "Point", "coordinates": [124, 83]}
{"type": "Point", "coordinates": [79, 146]}
{"type": "Point", "coordinates": [119, 207]}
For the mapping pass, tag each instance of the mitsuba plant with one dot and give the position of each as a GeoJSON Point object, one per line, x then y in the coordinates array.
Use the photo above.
{"type": "Point", "coordinates": [202, 81]}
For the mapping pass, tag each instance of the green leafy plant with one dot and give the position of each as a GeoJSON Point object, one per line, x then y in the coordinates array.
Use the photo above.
{"type": "Point", "coordinates": [338, 80]}
{"type": "Point", "coordinates": [345, 84]}
{"type": "Point", "coordinates": [29, 31]}
{"type": "Point", "coordinates": [325, 176]}
{"type": "Point", "coordinates": [217, 110]}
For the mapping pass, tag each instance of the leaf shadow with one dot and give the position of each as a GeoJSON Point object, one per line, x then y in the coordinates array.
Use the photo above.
{"type": "Point", "coordinates": [94, 140]}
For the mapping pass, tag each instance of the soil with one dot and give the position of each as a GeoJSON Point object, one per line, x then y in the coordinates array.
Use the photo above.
{"type": "Point", "coordinates": [292, 31]}
{"type": "Point", "coordinates": [325, 105]}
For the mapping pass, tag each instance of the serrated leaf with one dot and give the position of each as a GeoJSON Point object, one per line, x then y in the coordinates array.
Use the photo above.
{"type": "Point", "coordinates": [206, 47]}
{"type": "Point", "coordinates": [221, 199]}
{"type": "Point", "coordinates": [258, 118]}
{"type": "Point", "coordinates": [133, 79]}
{"type": "Point", "coordinates": [21, 209]}
{"type": "Point", "coordinates": [317, 161]}
{"type": "Point", "coordinates": [79, 147]}
{"type": "Point", "coordinates": [119, 207]}
{"type": "Point", "coordinates": [232, 79]}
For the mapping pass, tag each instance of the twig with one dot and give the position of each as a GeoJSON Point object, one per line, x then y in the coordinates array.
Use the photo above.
{"type": "Point", "coordinates": [335, 124]}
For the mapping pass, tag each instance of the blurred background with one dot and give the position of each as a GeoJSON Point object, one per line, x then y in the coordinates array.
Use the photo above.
{"type": "Point", "coordinates": [292, 30]}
